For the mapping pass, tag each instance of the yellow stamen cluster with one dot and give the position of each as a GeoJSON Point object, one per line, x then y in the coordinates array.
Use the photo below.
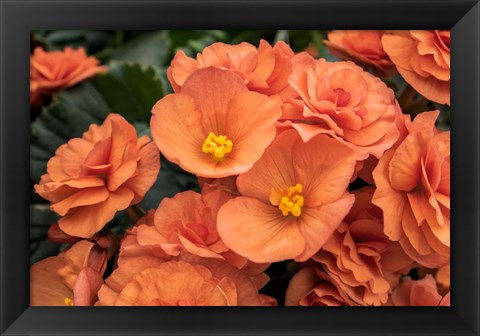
{"type": "Point", "coordinates": [292, 202]}
{"type": "Point", "coordinates": [68, 301]}
{"type": "Point", "coordinates": [218, 146]}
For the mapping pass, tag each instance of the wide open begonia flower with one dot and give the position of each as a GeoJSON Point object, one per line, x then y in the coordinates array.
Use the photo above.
{"type": "Point", "coordinates": [311, 286]}
{"type": "Point", "coordinates": [421, 292]}
{"type": "Point", "coordinates": [214, 127]}
{"type": "Point", "coordinates": [91, 178]}
{"type": "Point", "coordinates": [186, 222]}
{"type": "Point", "coordinates": [265, 70]}
{"type": "Point", "coordinates": [344, 101]}
{"type": "Point", "coordinates": [422, 57]}
{"type": "Point", "coordinates": [292, 200]}
{"type": "Point", "coordinates": [413, 190]}
{"type": "Point", "coordinates": [71, 278]}
{"type": "Point", "coordinates": [364, 47]}
{"type": "Point", "coordinates": [150, 281]}
{"type": "Point", "coordinates": [361, 256]}
{"type": "Point", "coordinates": [56, 70]}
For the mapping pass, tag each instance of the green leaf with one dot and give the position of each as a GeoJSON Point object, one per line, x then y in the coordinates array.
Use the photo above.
{"type": "Point", "coordinates": [41, 217]}
{"type": "Point", "coordinates": [148, 48]}
{"type": "Point", "coordinates": [130, 90]}
{"type": "Point", "coordinates": [93, 41]}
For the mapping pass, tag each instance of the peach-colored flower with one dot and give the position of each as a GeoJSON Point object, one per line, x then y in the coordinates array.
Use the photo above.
{"type": "Point", "coordinates": [56, 70]}
{"type": "Point", "coordinates": [364, 47]}
{"type": "Point", "coordinates": [71, 278]}
{"type": "Point", "coordinates": [313, 287]}
{"type": "Point", "coordinates": [341, 100]}
{"type": "Point", "coordinates": [186, 222]}
{"type": "Point", "coordinates": [423, 59]}
{"type": "Point", "coordinates": [149, 281]}
{"type": "Point", "coordinates": [214, 127]}
{"type": "Point", "coordinates": [265, 70]}
{"type": "Point", "coordinates": [292, 200]}
{"type": "Point", "coordinates": [413, 190]}
{"type": "Point", "coordinates": [361, 256]}
{"type": "Point", "coordinates": [91, 178]}
{"type": "Point", "coordinates": [421, 292]}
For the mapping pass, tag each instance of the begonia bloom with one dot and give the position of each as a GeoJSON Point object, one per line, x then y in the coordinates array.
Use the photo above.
{"type": "Point", "coordinates": [344, 101]}
{"type": "Point", "coordinates": [364, 47]}
{"type": "Point", "coordinates": [91, 178]}
{"type": "Point", "coordinates": [421, 292]}
{"type": "Point", "coordinates": [313, 287]}
{"type": "Point", "coordinates": [71, 278]}
{"type": "Point", "coordinates": [150, 281]}
{"type": "Point", "coordinates": [422, 57]}
{"type": "Point", "coordinates": [413, 190]}
{"type": "Point", "coordinates": [361, 256]}
{"type": "Point", "coordinates": [292, 200]}
{"type": "Point", "coordinates": [56, 70]}
{"type": "Point", "coordinates": [214, 127]}
{"type": "Point", "coordinates": [186, 222]}
{"type": "Point", "coordinates": [264, 70]}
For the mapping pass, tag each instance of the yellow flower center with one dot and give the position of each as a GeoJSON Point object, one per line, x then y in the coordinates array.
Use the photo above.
{"type": "Point", "coordinates": [290, 201]}
{"type": "Point", "coordinates": [218, 146]}
{"type": "Point", "coordinates": [68, 301]}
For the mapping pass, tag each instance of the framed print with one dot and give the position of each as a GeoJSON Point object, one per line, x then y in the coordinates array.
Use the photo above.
{"type": "Point", "coordinates": [285, 156]}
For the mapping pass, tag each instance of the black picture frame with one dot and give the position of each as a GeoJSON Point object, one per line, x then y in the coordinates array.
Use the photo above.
{"type": "Point", "coordinates": [19, 17]}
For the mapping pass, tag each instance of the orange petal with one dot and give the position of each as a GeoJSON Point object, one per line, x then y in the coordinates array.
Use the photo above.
{"type": "Point", "coordinates": [86, 221]}
{"type": "Point", "coordinates": [46, 286]}
{"type": "Point", "coordinates": [324, 174]}
{"type": "Point", "coordinates": [317, 224]}
{"type": "Point", "coordinates": [259, 231]}
{"type": "Point", "coordinates": [86, 287]}
{"type": "Point", "coordinates": [273, 170]}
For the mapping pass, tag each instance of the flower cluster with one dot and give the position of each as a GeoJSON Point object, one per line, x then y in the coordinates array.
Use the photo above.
{"type": "Point", "coordinates": [298, 160]}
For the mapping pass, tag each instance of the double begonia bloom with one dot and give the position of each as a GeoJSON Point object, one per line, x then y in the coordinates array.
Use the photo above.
{"type": "Point", "coordinates": [91, 178]}
{"type": "Point", "coordinates": [342, 100]}
{"type": "Point", "coordinates": [186, 222]}
{"type": "Point", "coordinates": [422, 57]}
{"type": "Point", "coordinates": [214, 127]}
{"type": "Point", "coordinates": [311, 286]}
{"type": "Point", "coordinates": [56, 70]}
{"type": "Point", "coordinates": [413, 190]}
{"type": "Point", "coordinates": [421, 292]}
{"type": "Point", "coordinates": [292, 200]}
{"type": "Point", "coordinates": [71, 278]}
{"type": "Point", "coordinates": [150, 281]}
{"type": "Point", "coordinates": [363, 47]}
{"type": "Point", "coordinates": [264, 70]}
{"type": "Point", "coordinates": [361, 256]}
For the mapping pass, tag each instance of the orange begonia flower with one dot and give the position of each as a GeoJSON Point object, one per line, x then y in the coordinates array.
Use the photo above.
{"type": "Point", "coordinates": [150, 281]}
{"type": "Point", "coordinates": [56, 70]}
{"type": "Point", "coordinates": [423, 59]}
{"type": "Point", "coordinates": [71, 278]}
{"type": "Point", "coordinates": [91, 178]}
{"type": "Point", "coordinates": [186, 222]}
{"type": "Point", "coordinates": [292, 200]}
{"type": "Point", "coordinates": [214, 127]}
{"type": "Point", "coordinates": [265, 70]}
{"type": "Point", "coordinates": [313, 287]}
{"type": "Point", "coordinates": [413, 190]}
{"type": "Point", "coordinates": [342, 100]}
{"type": "Point", "coordinates": [421, 292]}
{"type": "Point", "coordinates": [361, 256]}
{"type": "Point", "coordinates": [364, 47]}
